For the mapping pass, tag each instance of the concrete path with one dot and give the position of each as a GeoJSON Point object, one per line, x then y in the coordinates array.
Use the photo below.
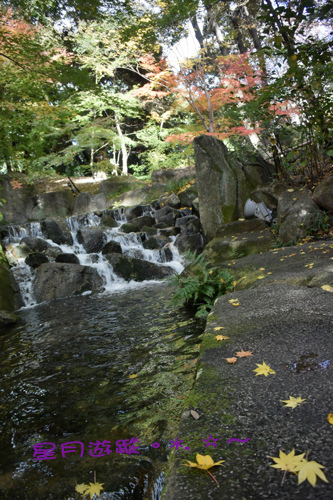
{"type": "Point", "coordinates": [290, 328]}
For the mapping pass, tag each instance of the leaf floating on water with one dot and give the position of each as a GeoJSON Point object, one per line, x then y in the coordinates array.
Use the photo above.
{"type": "Point", "coordinates": [195, 415]}
{"type": "Point", "coordinates": [330, 418]}
{"type": "Point", "coordinates": [231, 360]}
{"type": "Point", "coordinates": [293, 402]}
{"type": "Point", "coordinates": [263, 369]}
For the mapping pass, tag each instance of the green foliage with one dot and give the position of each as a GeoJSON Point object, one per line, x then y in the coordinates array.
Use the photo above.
{"type": "Point", "coordinates": [237, 255]}
{"type": "Point", "coordinates": [319, 222]}
{"type": "Point", "coordinates": [200, 284]}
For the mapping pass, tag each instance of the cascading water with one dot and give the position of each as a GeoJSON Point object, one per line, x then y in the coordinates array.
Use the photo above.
{"type": "Point", "coordinates": [92, 368]}
{"type": "Point", "coordinates": [131, 245]}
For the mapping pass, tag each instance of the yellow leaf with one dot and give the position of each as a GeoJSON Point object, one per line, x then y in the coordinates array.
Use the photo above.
{"type": "Point", "coordinates": [231, 360]}
{"type": "Point", "coordinates": [262, 269]}
{"type": "Point", "coordinates": [269, 273]}
{"type": "Point", "coordinates": [309, 265]}
{"type": "Point", "coordinates": [221, 337]}
{"type": "Point", "coordinates": [263, 369]}
{"type": "Point", "coordinates": [261, 277]}
{"type": "Point", "coordinates": [94, 489]}
{"type": "Point", "coordinates": [290, 190]}
{"type": "Point", "coordinates": [234, 302]}
{"type": "Point", "coordinates": [310, 471]}
{"type": "Point", "coordinates": [287, 462]}
{"type": "Point", "coordinates": [134, 375]}
{"type": "Point", "coordinates": [204, 462]}
{"type": "Point", "coordinates": [218, 328]}
{"type": "Point", "coordinates": [243, 354]}
{"type": "Point", "coordinates": [292, 402]}
{"type": "Point", "coordinates": [327, 288]}
{"type": "Point", "coordinates": [330, 418]}
{"type": "Point", "coordinates": [81, 488]}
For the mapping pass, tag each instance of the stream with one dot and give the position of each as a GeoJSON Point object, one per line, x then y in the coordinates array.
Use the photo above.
{"type": "Point", "coordinates": [85, 372]}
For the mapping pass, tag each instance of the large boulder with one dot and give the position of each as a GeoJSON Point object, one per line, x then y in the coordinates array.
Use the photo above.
{"type": "Point", "coordinates": [112, 247]}
{"type": "Point", "coordinates": [130, 268]}
{"type": "Point", "coordinates": [133, 212]}
{"type": "Point", "coordinates": [155, 242]}
{"type": "Point", "coordinates": [57, 231]}
{"type": "Point", "coordinates": [54, 204]}
{"type": "Point", "coordinates": [19, 200]}
{"type": "Point", "coordinates": [172, 175]}
{"type": "Point", "coordinates": [92, 239]}
{"type": "Point", "coordinates": [170, 200]}
{"type": "Point", "coordinates": [87, 203]}
{"type": "Point", "coordinates": [117, 185]}
{"type": "Point", "coordinates": [296, 212]}
{"type": "Point", "coordinates": [57, 280]}
{"type": "Point", "coordinates": [224, 183]}
{"type": "Point", "coordinates": [323, 194]}
{"type": "Point", "coordinates": [10, 296]}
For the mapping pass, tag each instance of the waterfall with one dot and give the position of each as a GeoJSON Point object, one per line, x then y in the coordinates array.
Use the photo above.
{"type": "Point", "coordinates": [131, 246]}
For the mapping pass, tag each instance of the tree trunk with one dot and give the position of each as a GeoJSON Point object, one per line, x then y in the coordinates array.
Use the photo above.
{"type": "Point", "coordinates": [197, 32]}
{"type": "Point", "coordinates": [123, 147]}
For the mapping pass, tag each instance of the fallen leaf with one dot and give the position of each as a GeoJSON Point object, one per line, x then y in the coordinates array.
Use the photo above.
{"type": "Point", "coordinates": [261, 277]}
{"type": "Point", "coordinates": [310, 471]}
{"type": "Point", "coordinates": [234, 302]}
{"type": "Point", "coordinates": [204, 462]}
{"type": "Point", "coordinates": [217, 328]}
{"type": "Point", "coordinates": [231, 360]}
{"type": "Point", "coordinates": [269, 273]}
{"type": "Point", "coordinates": [195, 415]}
{"type": "Point", "coordinates": [263, 369]}
{"type": "Point", "coordinates": [310, 266]}
{"type": "Point", "coordinates": [327, 288]}
{"type": "Point", "coordinates": [262, 269]}
{"type": "Point", "coordinates": [94, 489]}
{"type": "Point", "coordinates": [290, 190]}
{"type": "Point", "coordinates": [330, 418]}
{"type": "Point", "coordinates": [292, 255]}
{"type": "Point", "coordinates": [134, 375]}
{"type": "Point", "coordinates": [81, 488]}
{"type": "Point", "coordinates": [287, 462]}
{"type": "Point", "coordinates": [221, 337]}
{"type": "Point", "coordinates": [292, 402]}
{"type": "Point", "coordinates": [243, 354]}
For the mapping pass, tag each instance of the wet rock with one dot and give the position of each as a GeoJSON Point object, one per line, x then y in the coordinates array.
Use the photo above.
{"type": "Point", "coordinates": [92, 239]}
{"type": "Point", "coordinates": [67, 258]}
{"type": "Point", "coordinates": [109, 221]}
{"type": "Point", "coordinates": [57, 231]}
{"type": "Point", "coordinates": [167, 254]}
{"type": "Point", "coordinates": [128, 228]}
{"type": "Point", "coordinates": [192, 242]}
{"type": "Point", "coordinates": [17, 252]}
{"type": "Point", "coordinates": [187, 196]}
{"type": "Point", "coordinates": [10, 296]}
{"type": "Point", "coordinates": [183, 221]}
{"type": "Point", "coordinates": [323, 194]}
{"type": "Point", "coordinates": [36, 259]}
{"type": "Point", "coordinates": [52, 252]}
{"type": "Point", "coordinates": [155, 242]}
{"type": "Point", "coordinates": [87, 203]}
{"type": "Point", "coordinates": [167, 214]}
{"type": "Point", "coordinates": [112, 247]}
{"type": "Point", "coordinates": [35, 244]}
{"type": "Point", "coordinates": [8, 318]}
{"type": "Point", "coordinates": [145, 220]}
{"type": "Point", "coordinates": [133, 212]}
{"type": "Point", "coordinates": [149, 230]}
{"type": "Point", "coordinates": [57, 280]}
{"type": "Point", "coordinates": [170, 201]}
{"type": "Point", "coordinates": [130, 268]}
{"type": "Point", "coordinates": [170, 231]}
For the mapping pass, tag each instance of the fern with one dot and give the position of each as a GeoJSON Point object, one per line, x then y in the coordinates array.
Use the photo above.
{"type": "Point", "coordinates": [200, 284]}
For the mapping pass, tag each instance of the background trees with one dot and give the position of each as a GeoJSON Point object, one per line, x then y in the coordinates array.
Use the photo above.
{"type": "Point", "coordinates": [87, 87]}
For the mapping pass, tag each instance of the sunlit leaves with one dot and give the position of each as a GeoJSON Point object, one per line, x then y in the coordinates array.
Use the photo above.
{"type": "Point", "coordinates": [90, 489]}
{"type": "Point", "coordinates": [204, 462]}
